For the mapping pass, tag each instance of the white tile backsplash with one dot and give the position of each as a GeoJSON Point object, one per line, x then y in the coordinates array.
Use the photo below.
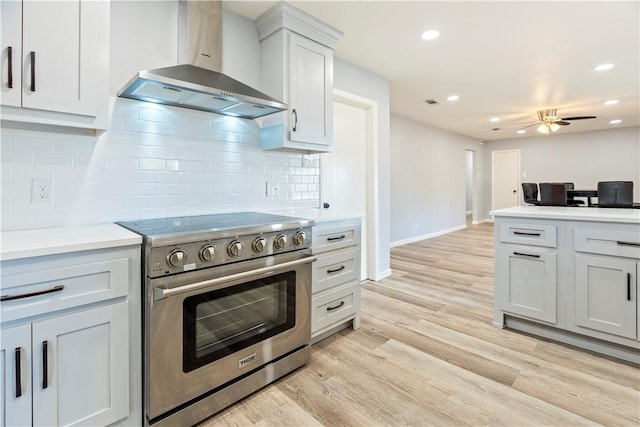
{"type": "Point", "coordinates": [153, 162]}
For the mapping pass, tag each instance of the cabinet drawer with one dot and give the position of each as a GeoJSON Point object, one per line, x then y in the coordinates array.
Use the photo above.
{"type": "Point", "coordinates": [48, 290]}
{"type": "Point", "coordinates": [334, 305]}
{"type": "Point", "coordinates": [335, 269]}
{"type": "Point", "coordinates": [331, 236]}
{"type": "Point", "coordinates": [529, 234]}
{"type": "Point", "coordinates": [621, 243]}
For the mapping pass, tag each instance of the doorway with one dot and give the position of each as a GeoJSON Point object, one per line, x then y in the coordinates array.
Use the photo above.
{"type": "Point", "coordinates": [505, 179]}
{"type": "Point", "coordinates": [348, 174]}
{"type": "Point", "coordinates": [470, 207]}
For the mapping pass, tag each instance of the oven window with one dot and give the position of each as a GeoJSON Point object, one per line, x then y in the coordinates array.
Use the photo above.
{"type": "Point", "coordinates": [223, 321]}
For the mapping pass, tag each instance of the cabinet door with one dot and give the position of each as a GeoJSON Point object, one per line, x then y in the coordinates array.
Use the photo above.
{"type": "Point", "coordinates": [526, 282]}
{"type": "Point", "coordinates": [81, 367]}
{"type": "Point", "coordinates": [11, 11]}
{"type": "Point", "coordinates": [61, 55]}
{"type": "Point", "coordinates": [311, 86]}
{"type": "Point", "coordinates": [606, 295]}
{"type": "Point", "coordinates": [16, 376]}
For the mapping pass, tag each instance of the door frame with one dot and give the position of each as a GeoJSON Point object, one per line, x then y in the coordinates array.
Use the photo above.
{"type": "Point", "coordinates": [372, 177]}
{"type": "Point", "coordinates": [493, 172]}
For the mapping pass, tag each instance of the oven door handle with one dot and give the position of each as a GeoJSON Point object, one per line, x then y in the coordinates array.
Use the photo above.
{"type": "Point", "coordinates": [160, 293]}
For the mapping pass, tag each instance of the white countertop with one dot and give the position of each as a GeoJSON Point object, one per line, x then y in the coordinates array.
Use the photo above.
{"type": "Point", "coordinates": [51, 241]}
{"type": "Point", "coordinates": [630, 216]}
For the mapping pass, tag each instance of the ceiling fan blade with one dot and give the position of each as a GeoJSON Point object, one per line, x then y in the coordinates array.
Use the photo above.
{"type": "Point", "coordinates": [578, 118]}
{"type": "Point", "coordinates": [562, 123]}
{"type": "Point", "coordinates": [532, 124]}
{"type": "Point", "coordinates": [522, 123]}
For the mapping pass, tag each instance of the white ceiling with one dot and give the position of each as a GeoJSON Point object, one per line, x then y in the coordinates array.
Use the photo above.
{"type": "Point", "coordinates": [504, 59]}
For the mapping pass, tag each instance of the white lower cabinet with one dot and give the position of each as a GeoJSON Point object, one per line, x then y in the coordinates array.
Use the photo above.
{"type": "Point", "coordinates": [529, 282]}
{"type": "Point", "coordinates": [70, 339]}
{"type": "Point", "coordinates": [73, 369]}
{"type": "Point", "coordinates": [335, 277]}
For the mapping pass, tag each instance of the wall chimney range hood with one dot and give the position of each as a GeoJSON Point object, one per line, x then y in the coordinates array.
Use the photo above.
{"type": "Point", "coordinates": [197, 84]}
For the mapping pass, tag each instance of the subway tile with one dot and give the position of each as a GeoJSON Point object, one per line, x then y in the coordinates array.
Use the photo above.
{"type": "Point", "coordinates": [151, 164]}
{"type": "Point", "coordinates": [152, 189]}
{"type": "Point", "coordinates": [165, 176]}
{"type": "Point", "coordinates": [181, 188]}
{"type": "Point", "coordinates": [164, 201]}
{"type": "Point", "coordinates": [33, 143]}
{"type": "Point", "coordinates": [152, 115]}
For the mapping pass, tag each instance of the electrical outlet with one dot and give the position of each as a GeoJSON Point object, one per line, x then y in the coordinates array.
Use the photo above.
{"type": "Point", "coordinates": [307, 160]}
{"type": "Point", "coordinates": [41, 191]}
{"type": "Point", "coordinates": [273, 189]}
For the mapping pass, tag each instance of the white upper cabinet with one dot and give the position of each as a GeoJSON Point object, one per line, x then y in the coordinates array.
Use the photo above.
{"type": "Point", "coordinates": [297, 68]}
{"type": "Point", "coordinates": [58, 53]}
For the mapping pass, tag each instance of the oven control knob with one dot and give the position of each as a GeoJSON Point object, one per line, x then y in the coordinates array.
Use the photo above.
{"type": "Point", "coordinates": [234, 248]}
{"type": "Point", "coordinates": [299, 238]}
{"type": "Point", "coordinates": [207, 253]}
{"type": "Point", "coordinates": [280, 241]}
{"type": "Point", "coordinates": [176, 258]}
{"type": "Point", "coordinates": [259, 244]}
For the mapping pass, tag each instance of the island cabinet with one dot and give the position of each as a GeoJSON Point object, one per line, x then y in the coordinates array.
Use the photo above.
{"type": "Point", "coordinates": [55, 62]}
{"type": "Point", "coordinates": [603, 299]}
{"type": "Point", "coordinates": [570, 274]}
{"type": "Point", "coordinates": [335, 278]}
{"type": "Point", "coordinates": [297, 68]}
{"type": "Point", "coordinates": [526, 265]}
{"type": "Point", "coordinates": [66, 337]}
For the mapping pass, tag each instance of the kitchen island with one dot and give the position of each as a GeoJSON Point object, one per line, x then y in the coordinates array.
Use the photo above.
{"type": "Point", "coordinates": [570, 274]}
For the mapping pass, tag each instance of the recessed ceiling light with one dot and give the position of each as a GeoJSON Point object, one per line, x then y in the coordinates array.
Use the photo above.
{"type": "Point", "coordinates": [521, 131]}
{"type": "Point", "coordinates": [430, 35]}
{"type": "Point", "coordinates": [611, 102]}
{"type": "Point", "coordinates": [495, 119]}
{"type": "Point", "coordinates": [603, 67]}
{"type": "Point", "coordinates": [453, 98]}
{"type": "Point", "coordinates": [615, 121]}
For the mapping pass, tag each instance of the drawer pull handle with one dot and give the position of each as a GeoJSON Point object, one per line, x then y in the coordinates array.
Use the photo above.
{"type": "Point", "coordinates": [335, 270]}
{"type": "Point", "coordinates": [628, 286]}
{"type": "Point", "coordinates": [45, 364]}
{"type": "Point", "coordinates": [621, 243]}
{"type": "Point", "coordinates": [336, 307]}
{"type": "Point", "coordinates": [18, 355]}
{"type": "Point", "coordinates": [523, 233]}
{"type": "Point", "coordinates": [33, 71]}
{"type": "Point", "coordinates": [10, 74]}
{"type": "Point", "coordinates": [527, 255]}
{"type": "Point", "coordinates": [331, 239]}
{"type": "Point", "coordinates": [32, 294]}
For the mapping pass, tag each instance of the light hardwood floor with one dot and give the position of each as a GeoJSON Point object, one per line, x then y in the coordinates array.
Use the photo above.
{"type": "Point", "coordinates": [426, 354]}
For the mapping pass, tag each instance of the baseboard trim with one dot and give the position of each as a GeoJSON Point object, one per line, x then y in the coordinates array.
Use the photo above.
{"type": "Point", "coordinates": [382, 275]}
{"type": "Point", "coordinates": [427, 236]}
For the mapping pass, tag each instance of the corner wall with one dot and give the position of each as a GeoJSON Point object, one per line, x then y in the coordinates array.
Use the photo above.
{"type": "Point", "coordinates": [428, 180]}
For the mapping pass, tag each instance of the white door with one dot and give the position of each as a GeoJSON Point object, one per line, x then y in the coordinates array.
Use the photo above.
{"type": "Point", "coordinates": [61, 55]}
{"type": "Point", "coordinates": [11, 14]}
{"type": "Point", "coordinates": [310, 90]}
{"type": "Point", "coordinates": [343, 172]}
{"type": "Point", "coordinates": [86, 360]}
{"type": "Point", "coordinates": [505, 179]}
{"type": "Point", "coordinates": [15, 390]}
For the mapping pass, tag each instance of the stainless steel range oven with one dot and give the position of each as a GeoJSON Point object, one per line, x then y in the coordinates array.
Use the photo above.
{"type": "Point", "coordinates": [226, 311]}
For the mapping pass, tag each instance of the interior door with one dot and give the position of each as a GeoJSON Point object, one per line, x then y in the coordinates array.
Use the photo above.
{"type": "Point", "coordinates": [505, 179]}
{"type": "Point", "coordinates": [343, 172]}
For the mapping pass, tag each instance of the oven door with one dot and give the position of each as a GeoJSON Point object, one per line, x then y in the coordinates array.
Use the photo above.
{"type": "Point", "coordinates": [206, 328]}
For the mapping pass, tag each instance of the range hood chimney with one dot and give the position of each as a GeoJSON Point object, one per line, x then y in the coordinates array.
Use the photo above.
{"type": "Point", "coordinates": [197, 84]}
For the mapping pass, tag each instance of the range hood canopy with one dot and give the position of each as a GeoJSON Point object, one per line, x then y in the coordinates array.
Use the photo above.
{"type": "Point", "coordinates": [198, 84]}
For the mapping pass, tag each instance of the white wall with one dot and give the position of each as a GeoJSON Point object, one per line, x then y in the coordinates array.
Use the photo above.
{"type": "Point", "coordinates": [358, 81]}
{"type": "Point", "coordinates": [428, 180]}
{"type": "Point", "coordinates": [153, 161]}
{"type": "Point", "coordinates": [469, 181]}
{"type": "Point", "coordinates": [582, 158]}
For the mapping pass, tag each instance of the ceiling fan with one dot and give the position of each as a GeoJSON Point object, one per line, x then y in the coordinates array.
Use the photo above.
{"type": "Point", "coordinates": [549, 121]}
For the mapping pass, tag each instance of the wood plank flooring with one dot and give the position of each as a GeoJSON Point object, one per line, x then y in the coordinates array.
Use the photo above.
{"type": "Point", "coordinates": [427, 355]}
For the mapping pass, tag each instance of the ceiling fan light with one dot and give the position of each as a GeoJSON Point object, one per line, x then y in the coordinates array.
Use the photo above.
{"type": "Point", "coordinates": [554, 127]}
{"type": "Point", "coordinates": [543, 129]}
